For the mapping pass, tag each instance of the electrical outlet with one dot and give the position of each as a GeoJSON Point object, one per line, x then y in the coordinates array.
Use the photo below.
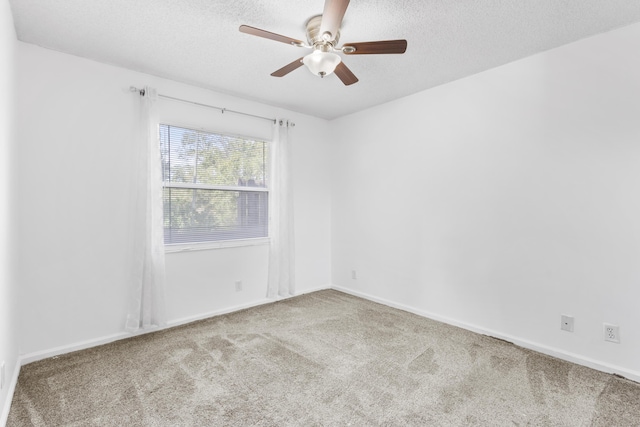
{"type": "Point", "coordinates": [238, 285]}
{"type": "Point", "coordinates": [611, 333]}
{"type": "Point", "coordinates": [566, 323]}
{"type": "Point", "coordinates": [354, 276]}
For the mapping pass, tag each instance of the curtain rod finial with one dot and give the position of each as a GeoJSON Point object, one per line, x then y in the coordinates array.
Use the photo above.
{"type": "Point", "coordinates": [135, 89]}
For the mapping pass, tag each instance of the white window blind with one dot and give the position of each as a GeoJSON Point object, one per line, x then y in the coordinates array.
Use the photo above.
{"type": "Point", "coordinates": [214, 186]}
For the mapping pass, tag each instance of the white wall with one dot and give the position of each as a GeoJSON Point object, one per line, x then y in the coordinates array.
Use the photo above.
{"type": "Point", "coordinates": [8, 299]}
{"type": "Point", "coordinates": [504, 199]}
{"type": "Point", "coordinates": [75, 121]}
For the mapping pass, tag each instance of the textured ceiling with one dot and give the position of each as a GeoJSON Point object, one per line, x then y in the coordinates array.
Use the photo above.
{"type": "Point", "coordinates": [198, 42]}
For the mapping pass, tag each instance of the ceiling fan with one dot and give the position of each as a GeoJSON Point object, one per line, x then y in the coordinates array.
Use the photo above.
{"type": "Point", "coordinates": [323, 34]}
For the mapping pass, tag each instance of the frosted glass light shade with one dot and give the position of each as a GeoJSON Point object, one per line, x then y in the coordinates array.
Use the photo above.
{"type": "Point", "coordinates": [321, 63]}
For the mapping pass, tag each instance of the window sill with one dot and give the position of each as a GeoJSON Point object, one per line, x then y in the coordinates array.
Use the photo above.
{"type": "Point", "coordinates": [203, 246]}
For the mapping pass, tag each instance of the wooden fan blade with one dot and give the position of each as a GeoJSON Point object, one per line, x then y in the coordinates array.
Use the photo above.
{"type": "Point", "coordinates": [287, 68]}
{"type": "Point", "coordinates": [268, 35]}
{"type": "Point", "coordinates": [345, 74]}
{"type": "Point", "coordinates": [332, 17]}
{"type": "Point", "coordinates": [369, 48]}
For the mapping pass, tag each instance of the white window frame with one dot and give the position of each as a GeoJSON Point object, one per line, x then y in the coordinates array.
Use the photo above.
{"type": "Point", "coordinates": [214, 244]}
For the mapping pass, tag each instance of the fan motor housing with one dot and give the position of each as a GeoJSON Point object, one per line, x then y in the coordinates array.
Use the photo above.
{"type": "Point", "coordinates": [315, 38]}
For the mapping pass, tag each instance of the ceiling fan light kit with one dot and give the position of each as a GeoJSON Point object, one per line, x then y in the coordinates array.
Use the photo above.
{"type": "Point", "coordinates": [321, 63]}
{"type": "Point", "coordinates": [323, 34]}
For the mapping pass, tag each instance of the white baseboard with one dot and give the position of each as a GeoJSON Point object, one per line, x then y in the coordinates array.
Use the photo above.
{"type": "Point", "coordinates": [561, 354]}
{"type": "Point", "coordinates": [10, 391]}
{"type": "Point", "coordinates": [202, 316]}
{"type": "Point", "coordinates": [189, 319]}
{"type": "Point", "coordinates": [316, 289]}
{"type": "Point", "coordinates": [39, 355]}
{"type": "Point", "coordinates": [56, 351]}
{"type": "Point", "coordinates": [44, 354]}
{"type": "Point", "coordinates": [540, 348]}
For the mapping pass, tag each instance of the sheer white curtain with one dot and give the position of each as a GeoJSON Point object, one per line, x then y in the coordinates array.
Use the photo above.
{"type": "Point", "coordinates": [147, 304]}
{"type": "Point", "coordinates": [281, 246]}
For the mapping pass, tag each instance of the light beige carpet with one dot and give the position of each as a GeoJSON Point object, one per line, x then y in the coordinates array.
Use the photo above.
{"type": "Point", "coordinates": [322, 359]}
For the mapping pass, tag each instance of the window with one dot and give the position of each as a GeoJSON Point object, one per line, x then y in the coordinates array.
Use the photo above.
{"type": "Point", "coordinates": [214, 186]}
